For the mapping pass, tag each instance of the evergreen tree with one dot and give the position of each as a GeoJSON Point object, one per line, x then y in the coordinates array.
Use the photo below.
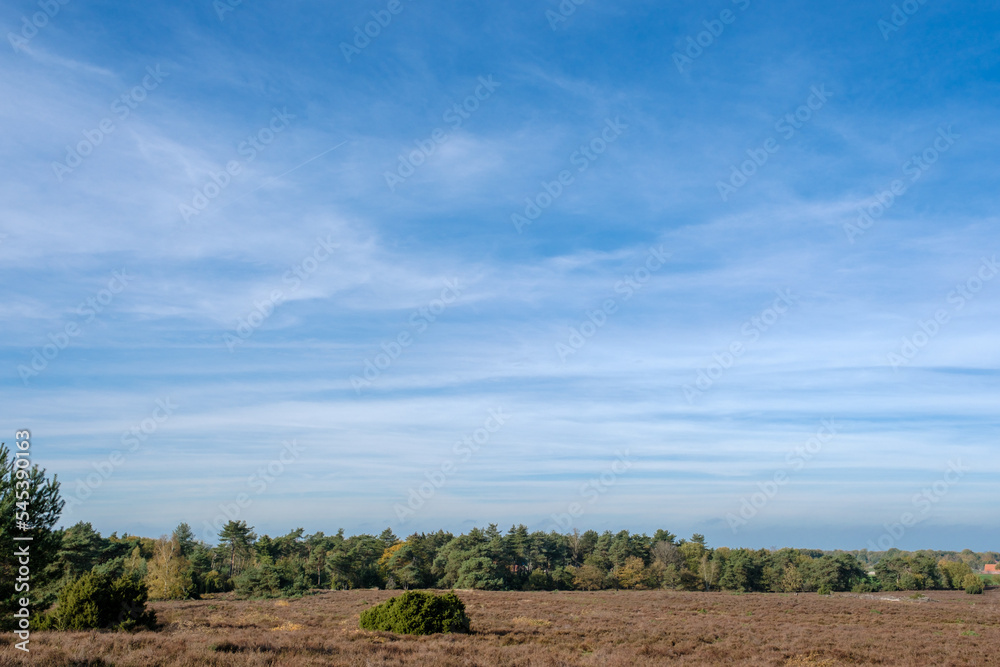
{"type": "Point", "coordinates": [80, 549]}
{"type": "Point", "coordinates": [237, 539]}
{"type": "Point", "coordinates": [29, 507]}
{"type": "Point", "coordinates": [184, 537]}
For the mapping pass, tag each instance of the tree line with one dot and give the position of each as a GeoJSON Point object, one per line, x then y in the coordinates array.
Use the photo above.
{"type": "Point", "coordinates": [178, 566]}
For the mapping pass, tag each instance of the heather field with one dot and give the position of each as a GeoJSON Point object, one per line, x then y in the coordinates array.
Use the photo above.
{"type": "Point", "coordinates": [615, 628]}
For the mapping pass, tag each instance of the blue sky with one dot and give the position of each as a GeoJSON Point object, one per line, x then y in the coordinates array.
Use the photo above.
{"type": "Point", "coordinates": [721, 267]}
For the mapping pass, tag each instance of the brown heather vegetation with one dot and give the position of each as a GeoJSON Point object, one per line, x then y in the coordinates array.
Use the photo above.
{"type": "Point", "coordinates": [614, 628]}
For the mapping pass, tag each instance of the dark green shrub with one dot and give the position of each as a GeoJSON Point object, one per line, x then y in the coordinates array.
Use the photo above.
{"type": "Point", "coordinates": [563, 578]}
{"type": "Point", "coordinates": [539, 581]}
{"type": "Point", "coordinates": [269, 580]}
{"type": "Point", "coordinates": [96, 600]}
{"type": "Point", "coordinates": [825, 589]}
{"type": "Point", "coordinates": [868, 585]}
{"type": "Point", "coordinates": [481, 573]}
{"type": "Point", "coordinates": [417, 613]}
{"type": "Point", "coordinates": [973, 584]}
{"type": "Point", "coordinates": [258, 582]}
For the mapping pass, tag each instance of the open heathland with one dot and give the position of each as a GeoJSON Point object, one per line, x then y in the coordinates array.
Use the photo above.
{"type": "Point", "coordinates": [625, 628]}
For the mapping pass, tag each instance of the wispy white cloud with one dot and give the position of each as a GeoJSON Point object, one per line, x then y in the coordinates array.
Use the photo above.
{"type": "Point", "coordinates": [521, 294]}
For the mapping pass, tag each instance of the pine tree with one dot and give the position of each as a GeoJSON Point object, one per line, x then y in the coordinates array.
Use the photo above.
{"type": "Point", "coordinates": [237, 538]}
{"type": "Point", "coordinates": [29, 507]}
{"type": "Point", "coordinates": [184, 537]}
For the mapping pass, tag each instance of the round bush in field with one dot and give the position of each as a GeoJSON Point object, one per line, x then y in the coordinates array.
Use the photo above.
{"type": "Point", "coordinates": [973, 584]}
{"type": "Point", "coordinates": [417, 613]}
{"type": "Point", "coordinates": [96, 600]}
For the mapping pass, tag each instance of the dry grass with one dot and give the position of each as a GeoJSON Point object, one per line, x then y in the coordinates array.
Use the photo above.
{"type": "Point", "coordinates": [632, 629]}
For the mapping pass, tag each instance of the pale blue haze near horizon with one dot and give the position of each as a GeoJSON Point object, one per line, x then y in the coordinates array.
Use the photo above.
{"type": "Point", "coordinates": [681, 236]}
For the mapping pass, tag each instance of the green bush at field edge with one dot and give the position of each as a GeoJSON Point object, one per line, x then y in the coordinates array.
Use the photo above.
{"type": "Point", "coordinates": [417, 613]}
{"type": "Point", "coordinates": [96, 600]}
{"type": "Point", "coordinates": [973, 584]}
